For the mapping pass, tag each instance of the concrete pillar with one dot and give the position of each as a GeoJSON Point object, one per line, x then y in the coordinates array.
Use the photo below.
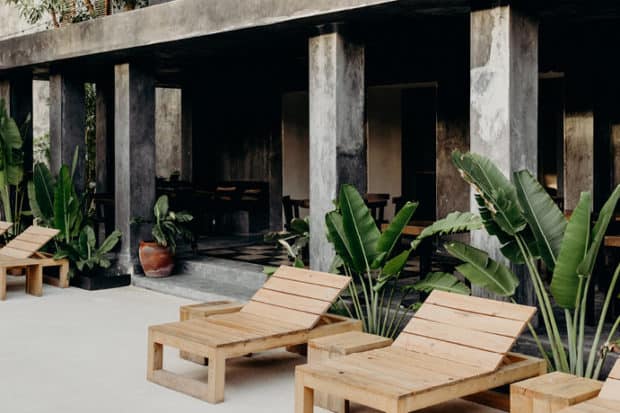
{"type": "Point", "coordinates": [67, 124]}
{"type": "Point", "coordinates": [17, 95]}
{"type": "Point", "coordinates": [337, 144]}
{"type": "Point", "coordinates": [105, 135]}
{"type": "Point", "coordinates": [187, 133]}
{"type": "Point", "coordinates": [615, 147]}
{"type": "Point", "coordinates": [578, 138]}
{"type": "Point", "coordinates": [134, 157]}
{"type": "Point", "coordinates": [504, 101]}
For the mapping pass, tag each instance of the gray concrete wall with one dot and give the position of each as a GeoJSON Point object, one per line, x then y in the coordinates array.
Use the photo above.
{"type": "Point", "coordinates": [167, 131]}
{"type": "Point", "coordinates": [295, 145]}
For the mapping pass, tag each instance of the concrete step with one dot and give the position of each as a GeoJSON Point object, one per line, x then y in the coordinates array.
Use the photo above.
{"type": "Point", "coordinates": [208, 279]}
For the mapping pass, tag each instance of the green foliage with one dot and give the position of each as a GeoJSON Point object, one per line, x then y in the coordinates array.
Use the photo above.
{"type": "Point", "coordinates": [170, 226]}
{"type": "Point", "coordinates": [12, 186]}
{"type": "Point", "coordinates": [294, 241]}
{"type": "Point", "coordinates": [366, 254]}
{"type": "Point", "coordinates": [453, 223]}
{"type": "Point", "coordinates": [83, 250]}
{"type": "Point", "coordinates": [530, 228]}
{"type": "Point", "coordinates": [441, 281]}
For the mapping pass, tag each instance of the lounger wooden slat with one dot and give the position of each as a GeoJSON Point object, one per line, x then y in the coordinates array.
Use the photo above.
{"type": "Point", "coordinates": [288, 311]}
{"type": "Point", "coordinates": [5, 226]}
{"type": "Point", "coordinates": [433, 360]}
{"type": "Point", "coordinates": [476, 322]}
{"type": "Point", "coordinates": [482, 306]}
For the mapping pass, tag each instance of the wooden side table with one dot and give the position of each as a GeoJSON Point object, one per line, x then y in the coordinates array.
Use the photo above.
{"type": "Point", "coordinates": [339, 345]}
{"type": "Point", "coordinates": [551, 393]}
{"type": "Point", "coordinates": [204, 310]}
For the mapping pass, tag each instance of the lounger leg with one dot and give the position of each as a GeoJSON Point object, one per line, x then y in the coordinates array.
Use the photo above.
{"type": "Point", "coordinates": [63, 275]}
{"type": "Point", "coordinates": [216, 378]}
{"type": "Point", "coordinates": [304, 396]}
{"type": "Point", "coordinates": [3, 283]}
{"type": "Point", "coordinates": [155, 358]}
{"type": "Point", "coordinates": [34, 280]}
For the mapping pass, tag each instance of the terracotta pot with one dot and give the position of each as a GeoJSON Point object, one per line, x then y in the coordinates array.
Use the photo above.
{"type": "Point", "coordinates": [156, 261]}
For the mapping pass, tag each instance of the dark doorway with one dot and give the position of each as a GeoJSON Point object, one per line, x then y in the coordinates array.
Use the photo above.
{"type": "Point", "coordinates": [551, 137]}
{"type": "Point", "coordinates": [419, 127]}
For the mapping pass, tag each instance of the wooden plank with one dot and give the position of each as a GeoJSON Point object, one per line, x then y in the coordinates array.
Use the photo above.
{"type": "Point", "coordinates": [5, 226]}
{"type": "Point", "coordinates": [22, 245]}
{"type": "Point", "coordinates": [481, 305]}
{"type": "Point", "coordinates": [312, 277]}
{"type": "Point", "coordinates": [612, 241]}
{"type": "Point", "coordinates": [294, 302]}
{"type": "Point", "coordinates": [299, 318]}
{"type": "Point", "coordinates": [7, 251]}
{"type": "Point", "coordinates": [35, 229]}
{"type": "Point", "coordinates": [253, 323]}
{"type": "Point", "coordinates": [611, 389]}
{"type": "Point", "coordinates": [442, 350]}
{"type": "Point", "coordinates": [303, 289]}
{"type": "Point", "coordinates": [615, 371]}
{"type": "Point", "coordinates": [473, 321]}
{"type": "Point", "coordinates": [459, 335]}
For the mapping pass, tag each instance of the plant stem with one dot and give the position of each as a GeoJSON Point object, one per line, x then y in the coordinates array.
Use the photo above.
{"type": "Point", "coordinates": [601, 322]}
{"type": "Point", "coordinates": [572, 354]}
{"type": "Point", "coordinates": [601, 360]}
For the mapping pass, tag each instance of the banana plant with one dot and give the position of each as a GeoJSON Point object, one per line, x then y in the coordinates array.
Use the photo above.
{"type": "Point", "coordinates": [83, 251]}
{"type": "Point", "coordinates": [533, 231]}
{"type": "Point", "coordinates": [368, 256]}
{"type": "Point", "coordinates": [12, 186]}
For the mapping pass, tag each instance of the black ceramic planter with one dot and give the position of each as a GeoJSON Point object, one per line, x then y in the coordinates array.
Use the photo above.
{"type": "Point", "coordinates": [99, 280]}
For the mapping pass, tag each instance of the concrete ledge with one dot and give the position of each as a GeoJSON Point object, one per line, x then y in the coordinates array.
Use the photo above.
{"type": "Point", "coordinates": [167, 22]}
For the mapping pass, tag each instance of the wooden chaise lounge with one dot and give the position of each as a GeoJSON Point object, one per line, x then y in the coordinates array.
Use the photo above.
{"type": "Point", "coordinates": [22, 252]}
{"type": "Point", "coordinates": [287, 311]}
{"type": "Point", "coordinates": [608, 400]}
{"type": "Point", "coordinates": [455, 346]}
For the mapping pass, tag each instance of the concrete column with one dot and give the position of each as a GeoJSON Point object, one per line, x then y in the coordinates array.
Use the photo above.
{"type": "Point", "coordinates": [504, 101]}
{"type": "Point", "coordinates": [187, 133]}
{"type": "Point", "coordinates": [134, 157]}
{"type": "Point", "coordinates": [615, 147]}
{"type": "Point", "coordinates": [337, 144]}
{"type": "Point", "coordinates": [17, 95]}
{"type": "Point", "coordinates": [105, 135]}
{"type": "Point", "coordinates": [578, 138]}
{"type": "Point", "coordinates": [67, 124]}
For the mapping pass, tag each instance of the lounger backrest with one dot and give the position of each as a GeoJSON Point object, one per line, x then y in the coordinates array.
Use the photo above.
{"type": "Point", "coordinates": [28, 242]}
{"type": "Point", "coordinates": [611, 388]}
{"type": "Point", "coordinates": [297, 296]}
{"type": "Point", "coordinates": [470, 330]}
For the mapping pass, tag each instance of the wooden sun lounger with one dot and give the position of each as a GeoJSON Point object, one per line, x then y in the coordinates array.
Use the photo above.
{"type": "Point", "coordinates": [22, 252]}
{"type": "Point", "coordinates": [455, 346]}
{"type": "Point", "coordinates": [608, 400]}
{"type": "Point", "coordinates": [288, 311]}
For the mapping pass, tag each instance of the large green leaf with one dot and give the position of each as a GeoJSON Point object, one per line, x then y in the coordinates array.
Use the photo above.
{"type": "Point", "coordinates": [337, 236]}
{"type": "Point", "coordinates": [598, 233]}
{"type": "Point", "coordinates": [441, 281]}
{"type": "Point", "coordinates": [495, 189]}
{"type": "Point", "coordinates": [453, 223]}
{"type": "Point", "coordinates": [543, 216]}
{"type": "Point", "coordinates": [483, 271]}
{"type": "Point", "coordinates": [42, 193]}
{"type": "Point", "coordinates": [110, 242]}
{"type": "Point", "coordinates": [565, 282]}
{"type": "Point", "coordinates": [66, 206]}
{"type": "Point", "coordinates": [359, 226]}
{"type": "Point", "coordinates": [160, 209]}
{"type": "Point", "coordinates": [392, 233]}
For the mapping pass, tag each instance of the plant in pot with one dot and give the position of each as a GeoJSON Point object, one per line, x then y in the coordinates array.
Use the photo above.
{"type": "Point", "coordinates": [157, 256]}
{"type": "Point", "coordinates": [84, 253]}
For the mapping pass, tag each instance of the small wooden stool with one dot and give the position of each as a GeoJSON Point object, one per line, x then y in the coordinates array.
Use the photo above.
{"type": "Point", "coordinates": [204, 310]}
{"type": "Point", "coordinates": [551, 393]}
{"type": "Point", "coordinates": [339, 345]}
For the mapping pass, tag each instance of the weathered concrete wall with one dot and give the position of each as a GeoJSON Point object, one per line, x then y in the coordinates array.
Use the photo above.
{"type": "Point", "coordinates": [384, 126]}
{"type": "Point", "coordinates": [504, 102]}
{"type": "Point", "coordinates": [337, 144]}
{"type": "Point", "coordinates": [14, 25]}
{"type": "Point", "coordinates": [168, 131]}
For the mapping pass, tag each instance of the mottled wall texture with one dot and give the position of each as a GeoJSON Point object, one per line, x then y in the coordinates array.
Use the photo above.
{"type": "Point", "coordinates": [168, 131]}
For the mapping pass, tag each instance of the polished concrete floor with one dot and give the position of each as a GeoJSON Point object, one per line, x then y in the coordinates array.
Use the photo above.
{"type": "Point", "coordinates": [73, 351]}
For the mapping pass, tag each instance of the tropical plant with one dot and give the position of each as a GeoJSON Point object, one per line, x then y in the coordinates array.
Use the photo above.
{"type": "Point", "coordinates": [295, 242]}
{"type": "Point", "coordinates": [532, 230]}
{"type": "Point", "coordinates": [170, 226]}
{"type": "Point", "coordinates": [11, 170]}
{"type": "Point", "coordinates": [55, 202]}
{"type": "Point", "coordinates": [83, 250]}
{"type": "Point", "coordinates": [368, 256]}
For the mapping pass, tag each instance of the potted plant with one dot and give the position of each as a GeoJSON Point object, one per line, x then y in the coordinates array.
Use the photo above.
{"type": "Point", "coordinates": [157, 256]}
